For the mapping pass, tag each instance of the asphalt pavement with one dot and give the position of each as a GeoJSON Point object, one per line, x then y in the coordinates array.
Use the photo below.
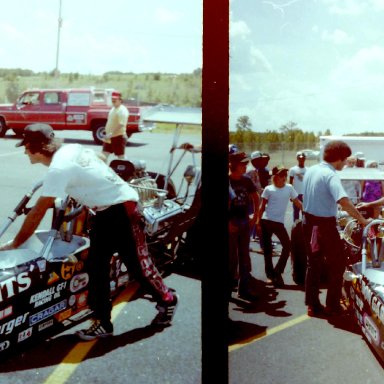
{"type": "Point", "coordinates": [273, 341]}
{"type": "Point", "coordinates": [137, 353]}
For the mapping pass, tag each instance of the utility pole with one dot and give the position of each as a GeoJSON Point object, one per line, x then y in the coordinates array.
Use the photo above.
{"type": "Point", "coordinates": [60, 22]}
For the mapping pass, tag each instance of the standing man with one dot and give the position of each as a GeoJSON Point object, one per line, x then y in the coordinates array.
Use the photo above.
{"type": "Point", "coordinates": [116, 227]}
{"type": "Point", "coordinates": [242, 196]}
{"type": "Point", "coordinates": [296, 175]}
{"type": "Point", "coordinates": [322, 193]}
{"type": "Point", "coordinates": [115, 131]}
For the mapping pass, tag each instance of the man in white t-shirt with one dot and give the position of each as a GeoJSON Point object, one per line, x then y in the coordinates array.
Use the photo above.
{"type": "Point", "coordinates": [296, 176]}
{"type": "Point", "coordinates": [116, 129]}
{"type": "Point", "coordinates": [78, 172]}
{"type": "Point", "coordinates": [275, 198]}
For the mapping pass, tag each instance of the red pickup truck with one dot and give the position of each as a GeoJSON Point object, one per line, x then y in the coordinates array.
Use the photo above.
{"type": "Point", "coordinates": [66, 109]}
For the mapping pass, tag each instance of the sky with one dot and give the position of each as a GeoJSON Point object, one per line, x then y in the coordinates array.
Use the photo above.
{"type": "Point", "coordinates": [317, 63]}
{"type": "Point", "coordinates": [98, 36]}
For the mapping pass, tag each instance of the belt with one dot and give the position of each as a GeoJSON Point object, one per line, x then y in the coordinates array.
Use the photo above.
{"type": "Point", "coordinates": [319, 219]}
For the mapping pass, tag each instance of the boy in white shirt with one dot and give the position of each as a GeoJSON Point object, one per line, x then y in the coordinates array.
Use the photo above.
{"type": "Point", "coordinates": [296, 176]}
{"type": "Point", "coordinates": [275, 198]}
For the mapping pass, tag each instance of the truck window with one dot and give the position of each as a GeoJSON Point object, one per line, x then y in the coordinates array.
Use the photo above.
{"type": "Point", "coordinates": [78, 99]}
{"type": "Point", "coordinates": [99, 98]}
{"type": "Point", "coordinates": [51, 98]}
{"type": "Point", "coordinates": [31, 98]}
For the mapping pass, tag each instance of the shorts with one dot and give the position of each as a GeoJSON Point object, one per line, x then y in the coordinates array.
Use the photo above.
{"type": "Point", "coordinates": [116, 146]}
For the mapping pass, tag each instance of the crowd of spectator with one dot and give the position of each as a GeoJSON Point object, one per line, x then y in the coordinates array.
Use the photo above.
{"type": "Point", "coordinates": [267, 195]}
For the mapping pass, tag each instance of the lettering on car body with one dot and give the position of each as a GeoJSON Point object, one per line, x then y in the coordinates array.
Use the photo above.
{"type": "Point", "coordinates": [4, 345]}
{"type": "Point", "coordinates": [23, 335]}
{"type": "Point", "coordinates": [50, 311]}
{"type": "Point", "coordinates": [14, 285]}
{"type": "Point", "coordinates": [6, 312]}
{"type": "Point", "coordinates": [10, 325]}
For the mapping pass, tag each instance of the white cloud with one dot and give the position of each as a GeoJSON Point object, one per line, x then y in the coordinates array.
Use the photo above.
{"type": "Point", "coordinates": [165, 16]}
{"type": "Point", "coordinates": [346, 7]}
{"type": "Point", "coordinates": [378, 5]}
{"type": "Point", "coordinates": [238, 29]}
{"type": "Point", "coordinates": [367, 65]}
{"type": "Point", "coordinates": [244, 56]}
{"type": "Point", "coordinates": [337, 37]}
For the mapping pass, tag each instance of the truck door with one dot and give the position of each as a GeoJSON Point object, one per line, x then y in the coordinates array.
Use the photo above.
{"type": "Point", "coordinates": [28, 110]}
{"type": "Point", "coordinates": [53, 109]}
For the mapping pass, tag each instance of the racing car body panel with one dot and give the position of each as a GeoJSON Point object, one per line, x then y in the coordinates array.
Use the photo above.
{"type": "Point", "coordinates": [38, 296]}
{"type": "Point", "coordinates": [363, 287]}
{"type": "Point", "coordinates": [365, 295]}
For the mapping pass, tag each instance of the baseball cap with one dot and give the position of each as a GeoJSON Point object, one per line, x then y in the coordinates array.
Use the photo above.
{"type": "Point", "coordinates": [300, 155]}
{"type": "Point", "coordinates": [258, 155]}
{"type": "Point", "coordinates": [232, 148]}
{"type": "Point", "coordinates": [279, 170]}
{"type": "Point", "coordinates": [36, 133]}
{"type": "Point", "coordinates": [116, 95]}
{"type": "Point", "coordinates": [238, 157]}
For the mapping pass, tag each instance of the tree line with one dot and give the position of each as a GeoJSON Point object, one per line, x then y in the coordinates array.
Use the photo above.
{"type": "Point", "coordinates": [166, 88]}
{"type": "Point", "coordinates": [289, 137]}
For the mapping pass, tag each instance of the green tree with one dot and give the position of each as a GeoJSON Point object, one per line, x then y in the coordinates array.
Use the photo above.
{"type": "Point", "coordinates": [243, 124]}
{"type": "Point", "coordinates": [13, 90]}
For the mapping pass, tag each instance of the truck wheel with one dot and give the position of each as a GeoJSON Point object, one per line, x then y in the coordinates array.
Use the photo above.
{"type": "Point", "coordinates": [98, 133]}
{"type": "Point", "coordinates": [3, 128]}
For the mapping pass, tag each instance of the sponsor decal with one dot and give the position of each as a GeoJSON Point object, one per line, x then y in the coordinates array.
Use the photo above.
{"type": "Point", "coordinates": [81, 299]}
{"type": "Point", "coordinates": [67, 270]}
{"type": "Point", "coordinates": [42, 264]}
{"type": "Point", "coordinates": [6, 312]}
{"type": "Point", "coordinates": [10, 325]}
{"type": "Point", "coordinates": [72, 300]}
{"type": "Point", "coordinates": [4, 345]}
{"type": "Point", "coordinates": [50, 311]}
{"type": "Point", "coordinates": [47, 295]}
{"type": "Point", "coordinates": [79, 266]}
{"type": "Point", "coordinates": [76, 118]}
{"type": "Point", "coordinates": [24, 334]}
{"type": "Point", "coordinates": [371, 329]}
{"type": "Point", "coordinates": [373, 300]}
{"type": "Point", "coordinates": [63, 315]}
{"type": "Point", "coordinates": [53, 278]}
{"type": "Point", "coordinates": [45, 325]}
{"type": "Point", "coordinates": [78, 282]}
{"type": "Point", "coordinates": [14, 285]}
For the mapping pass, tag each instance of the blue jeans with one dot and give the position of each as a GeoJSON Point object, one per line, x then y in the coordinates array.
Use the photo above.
{"type": "Point", "coordinates": [269, 228]}
{"type": "Point", "coordinates": [240, 264]}
{"type": "Point", "coordinates": [331, 250]}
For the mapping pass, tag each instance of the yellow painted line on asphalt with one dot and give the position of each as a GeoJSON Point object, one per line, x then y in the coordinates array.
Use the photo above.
{"type": "Point", "coordinates": [268, 332]}
{"type": "Point", "coordinates": [77, 354]}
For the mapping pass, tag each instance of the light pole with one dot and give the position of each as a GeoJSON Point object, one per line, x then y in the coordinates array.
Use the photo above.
{"type": "Point", "coordinates": [60, 21]}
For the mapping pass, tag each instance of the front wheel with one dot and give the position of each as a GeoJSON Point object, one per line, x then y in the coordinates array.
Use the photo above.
{"type": "Point", "coordinates": [3, 128]}
{"type": "Point", "coordinates": [98, 133]}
